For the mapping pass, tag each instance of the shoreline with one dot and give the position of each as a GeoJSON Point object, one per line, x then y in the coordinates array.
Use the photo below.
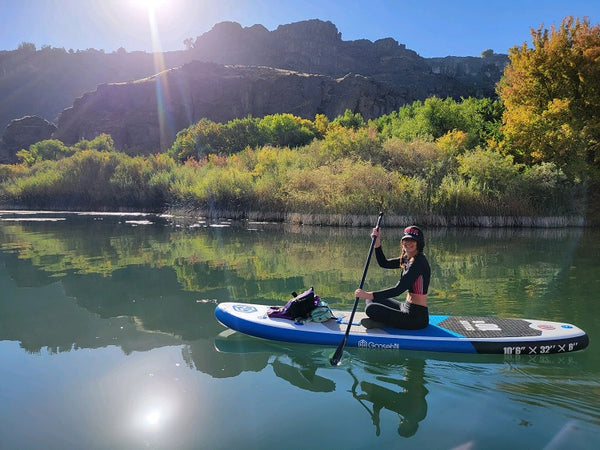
{"type": "Point", "coordinates": [391, 220]}
{"type": "Point", "coordinates": [335, 220]}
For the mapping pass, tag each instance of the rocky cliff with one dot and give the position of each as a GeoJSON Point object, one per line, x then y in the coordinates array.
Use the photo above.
{"type": "Point", "coordinates": [311, 46]}
{"type": "Point", "coordinates": [312, 71]}
{"type": "Point", "coordinates": [478, 76]}
{"type": "Point", "coordinates": [144, 116]}
{"type": "Point", "coordinates": [315, 46]}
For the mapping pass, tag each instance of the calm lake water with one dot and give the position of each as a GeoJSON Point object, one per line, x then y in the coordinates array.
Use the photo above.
{"type": "Point", "coordinates": [108, 339]}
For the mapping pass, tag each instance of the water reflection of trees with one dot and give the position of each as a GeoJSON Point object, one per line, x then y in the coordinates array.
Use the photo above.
{"type": "Point", "coordinates": [260, 262]}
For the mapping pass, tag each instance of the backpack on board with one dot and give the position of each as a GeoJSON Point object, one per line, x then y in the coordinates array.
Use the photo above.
{"type": "Point", "coordinates": [304, 307]}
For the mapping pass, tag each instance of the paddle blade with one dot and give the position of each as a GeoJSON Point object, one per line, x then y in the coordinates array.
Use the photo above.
{"type": "Point", "coordinates": [336, 359]}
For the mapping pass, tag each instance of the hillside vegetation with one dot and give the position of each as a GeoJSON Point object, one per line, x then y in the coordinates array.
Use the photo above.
{"type": "Point", "coordinates": [533, 152]}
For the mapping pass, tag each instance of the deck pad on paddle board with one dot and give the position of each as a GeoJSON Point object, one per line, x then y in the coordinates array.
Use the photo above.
{"type": "Point", "coordinates": [459, 334]}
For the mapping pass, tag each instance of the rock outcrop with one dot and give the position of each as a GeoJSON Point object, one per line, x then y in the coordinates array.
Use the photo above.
{"type": "Point", "coordinates": [144, 116]}
{"type": "Point", "coordinates": [475, 75]}
{"type": "Point", "coordinates": [315, 46]}
{"type": "Point", "coordinates": [21, 133]}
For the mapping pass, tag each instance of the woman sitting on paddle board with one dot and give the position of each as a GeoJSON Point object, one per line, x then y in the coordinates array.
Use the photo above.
{"type": "Point", "coordinates": [411, 314]}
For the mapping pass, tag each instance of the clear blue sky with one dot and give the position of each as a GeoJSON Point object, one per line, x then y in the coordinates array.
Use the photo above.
{"type": "Point", "coordinates": [429, 27]}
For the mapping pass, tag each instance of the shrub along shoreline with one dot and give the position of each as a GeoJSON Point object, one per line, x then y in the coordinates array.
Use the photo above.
{"type": "Point", "coordinates": [312, 172]}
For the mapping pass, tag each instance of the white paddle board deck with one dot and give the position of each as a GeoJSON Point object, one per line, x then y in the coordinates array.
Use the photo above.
{"type": "Point", "coordinates": [457, 334]}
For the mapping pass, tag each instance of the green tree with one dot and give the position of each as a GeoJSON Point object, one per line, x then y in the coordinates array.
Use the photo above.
{"type": "Point", "coordinates": [101, 143]}
{"type": "Point", "coordinates": [50, 149]}
{"type": "Point", "coordinates": [287, 130]}
{"type": "Point", "coordinates": [242, 133]}
{"type": "Point", "coordinates": [350, 120]}
{"type": "Point", "coordinates": [552, 97]}
{"type": "Point", "coordinates": [198, 141]}
{"type": "Point", "coordinates": [341, 142]}
{"type": "Point", "coordinates": [481, 119]}
{"type": "Point", "coordinates": [489, 171]}
{"type": "Point", "coordinates": [432, 119]}
{"type": "Point", "coordinates": [207, 137]}
{"type": "Point", "coordinates": [321, 124]}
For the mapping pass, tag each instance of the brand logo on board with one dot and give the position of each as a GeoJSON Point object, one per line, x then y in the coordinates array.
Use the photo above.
{"type": "Point", "coordinates": [479, 325]}
{"type": "Point", "coordinates": [246, 309]}
{"type": "Point", "coordinates": [363, 343]}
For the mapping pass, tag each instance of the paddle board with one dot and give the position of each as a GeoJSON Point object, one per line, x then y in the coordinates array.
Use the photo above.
{"type": "Point", "coordinates": [457, 334]}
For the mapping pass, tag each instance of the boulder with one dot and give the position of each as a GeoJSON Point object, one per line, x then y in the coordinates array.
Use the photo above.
{"type": "Point", "coordinates": [21, 133]}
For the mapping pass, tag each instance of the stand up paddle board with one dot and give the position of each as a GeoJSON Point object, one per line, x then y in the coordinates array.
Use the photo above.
{"type": "Point", "coordinates": [457, 334]}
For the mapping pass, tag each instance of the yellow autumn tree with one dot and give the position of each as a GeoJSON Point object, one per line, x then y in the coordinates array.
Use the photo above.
{"type": "Point", "coordinates": [552, 97]}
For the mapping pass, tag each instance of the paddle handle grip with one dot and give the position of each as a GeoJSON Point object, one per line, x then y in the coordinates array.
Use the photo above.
{"type": "Point", "coordinates": [364, 275]}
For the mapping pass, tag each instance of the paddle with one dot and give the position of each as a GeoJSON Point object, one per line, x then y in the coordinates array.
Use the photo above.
{"type": "Point", "coordinates": [337, 356]}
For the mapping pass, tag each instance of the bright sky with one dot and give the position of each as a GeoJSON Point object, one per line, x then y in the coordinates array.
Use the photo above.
{"type": "Point", "coordinates": [429, 27]}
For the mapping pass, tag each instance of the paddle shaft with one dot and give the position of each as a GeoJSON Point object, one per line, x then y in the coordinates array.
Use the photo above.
{"type": "Point", "coordinates": [337, 356]}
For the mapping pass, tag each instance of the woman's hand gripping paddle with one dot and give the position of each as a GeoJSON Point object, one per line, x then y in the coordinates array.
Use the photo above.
{"type": "Point", "coordinates": [337, 356]}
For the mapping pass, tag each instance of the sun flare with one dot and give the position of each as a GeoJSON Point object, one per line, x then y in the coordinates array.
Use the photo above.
{"type": "Point", "coordinates": [150, 5]}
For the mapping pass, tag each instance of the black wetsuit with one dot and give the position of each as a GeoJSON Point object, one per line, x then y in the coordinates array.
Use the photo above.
{"type": "Point", "coordinates": [415, 278]}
